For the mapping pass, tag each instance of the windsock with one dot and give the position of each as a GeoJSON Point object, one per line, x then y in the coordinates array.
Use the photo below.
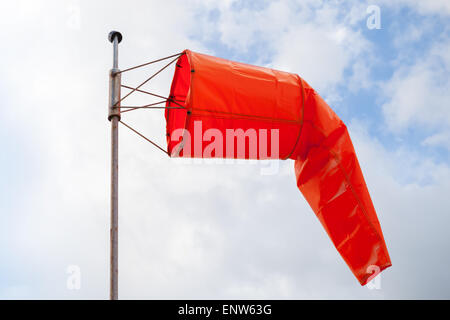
{"type": "Point", "coordinates": [223, 109]}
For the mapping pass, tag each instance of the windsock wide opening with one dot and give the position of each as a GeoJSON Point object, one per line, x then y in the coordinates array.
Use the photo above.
{"type": "Point", "coordinates": [259, 104]}
{"type": "Point", "coordinates": [179, 93]}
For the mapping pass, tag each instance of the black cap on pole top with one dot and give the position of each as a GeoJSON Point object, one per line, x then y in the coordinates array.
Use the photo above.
{"type": "Point", "coordinates": [114, 34]}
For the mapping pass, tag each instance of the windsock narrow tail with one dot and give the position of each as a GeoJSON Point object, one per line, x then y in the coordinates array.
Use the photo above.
{"type": "Point", "coordinates": [330, 178]}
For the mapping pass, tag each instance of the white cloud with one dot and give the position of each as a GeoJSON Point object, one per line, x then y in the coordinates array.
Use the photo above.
{"type": "Point", "coordinates": [188, 231]}
{"type": "Point", "coordinates": [438, 139]}
{"type": "Point", "coordinates": [420, 94]}
{"type": "Point", "coordinates": [316, 39]}
{"type": "Point", "coordinates": [437, 7]}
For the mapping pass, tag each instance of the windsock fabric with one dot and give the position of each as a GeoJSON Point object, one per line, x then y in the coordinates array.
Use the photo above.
{"type": "Point", "coordinates": [281, 117]}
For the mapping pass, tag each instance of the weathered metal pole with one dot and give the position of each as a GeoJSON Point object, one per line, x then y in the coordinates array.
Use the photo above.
{"type": "Point", "coordinates": [114, 116]}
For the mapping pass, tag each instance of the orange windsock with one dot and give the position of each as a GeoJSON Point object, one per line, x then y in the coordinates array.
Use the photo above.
{"type": "Point", "coordinates": [261, 113]}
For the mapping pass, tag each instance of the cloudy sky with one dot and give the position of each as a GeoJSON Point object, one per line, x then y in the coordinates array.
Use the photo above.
{"type": "Point", "coordinates": [217, 231]}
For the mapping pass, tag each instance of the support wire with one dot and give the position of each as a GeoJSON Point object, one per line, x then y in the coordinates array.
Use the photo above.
{"type": "Point", "coordinates": [142, 136]}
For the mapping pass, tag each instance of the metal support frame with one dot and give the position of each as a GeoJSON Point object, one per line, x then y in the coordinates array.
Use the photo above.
{"type": "Point", "coordinates": [115, 38]}
{"type": "Point", "coordinates": [114, 115]}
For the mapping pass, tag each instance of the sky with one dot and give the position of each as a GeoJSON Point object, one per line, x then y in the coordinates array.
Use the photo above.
{"type": "Point", "coordinates": [217, 231]}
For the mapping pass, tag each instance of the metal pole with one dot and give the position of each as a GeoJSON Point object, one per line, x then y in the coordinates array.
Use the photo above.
{"type": "Point", "coordinates": [114, 116]}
